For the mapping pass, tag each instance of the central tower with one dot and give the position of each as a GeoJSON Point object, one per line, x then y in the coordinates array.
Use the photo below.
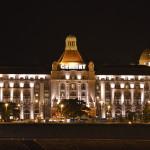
{"type": "Point", "coordinates": [71, 78]}
{"type": "Point", "coordinates": [71, 58]}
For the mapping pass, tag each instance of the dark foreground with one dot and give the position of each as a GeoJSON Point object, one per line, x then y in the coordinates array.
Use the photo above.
{"type": "Point", "coordinates": [75, 136]}
{"type": "Point", "coordinates": [76, 144]}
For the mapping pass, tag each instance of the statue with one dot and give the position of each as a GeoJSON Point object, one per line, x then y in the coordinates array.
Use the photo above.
{"type": "Point", "coordinates": [91, 66]}
{"type": "Point", "coordinates": [54, 65]}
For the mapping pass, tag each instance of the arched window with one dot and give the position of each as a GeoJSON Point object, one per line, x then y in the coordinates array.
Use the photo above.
{"type": "Point", "coordinates": [117, 95]}
{"type": "Point", "coordinates": [62, 87]}
{"type": "Point", "coordinates": [117, 86]}
{"type": "Point", "coordinates": [83, 86]}
{"type": "Point", "coordinates": [83, 93]}
{"type": "Point", "coordinates": [107, 86]}
{"type": "Point", "coordinates": [127, 95]}
{"type": "Point", "coordinates": [73, 94]}
{"type": "Point", "coordinates": [26, 85]}
{"type": "Point", "coordinates": [73, 86]}
{"type": "Point", "coordinates": [73, 77]}
{"type": "Point", "coordinates": [62, 94]}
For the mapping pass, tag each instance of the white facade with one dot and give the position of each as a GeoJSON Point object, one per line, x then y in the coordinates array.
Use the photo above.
{"type": "Point", "coordinates": [30, 91]}
{"type": "Point", "coordinates": [107, 95]}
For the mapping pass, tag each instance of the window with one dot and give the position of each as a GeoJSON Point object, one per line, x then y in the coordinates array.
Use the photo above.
{"type": "Point", "coordinates": [73, 77]}
{"type": "Point", "coordinates": [83, 93]}
{"type": "Point", "coordinates": [83, 87]}
{"type": "Point", "coordinates": [107, 86]}
{"type": "Point", "coordinates": [73, 94]}
{"type": "Point", "coordinates": [97, 87]}
{"type": "Point", "coordinates": [62, 87]}
{"type": "Point", "coordinates": [73, 86]}
{"type": "Point", "coordinates": [62, 94]}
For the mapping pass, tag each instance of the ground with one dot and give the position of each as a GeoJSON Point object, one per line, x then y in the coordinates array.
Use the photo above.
{"type": "Point", "coordinates": [75, 136]}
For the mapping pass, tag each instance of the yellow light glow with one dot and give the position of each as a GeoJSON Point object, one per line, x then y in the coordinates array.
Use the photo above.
{"type": "Point", "coordinates": [108, 107]}
{"type": "Point", "coordinates": [79, 76]}
{"type": "Point", "coordinates": [31, 84]}
{"type": "Point", "coordinates": [141, 85]}
{"type": "Point", "coordinates": [21, 84]}
{"type": "Point", "coordinates": [112, 85]}
{"type": "Point", "coordinates": [36, 101]}
{"type": "Point", "coordinates": [131, 85]}
{"type": "Point", "coordinates": [1, 84]}
{"type": "Point", "coordinates": [67, 76]}
{"type": "Point", "coordinates": [122, 85]}
{"type": "Point", "coordinates": [11, 84]}
{"type": "Point", "coordinates": [61, 105]}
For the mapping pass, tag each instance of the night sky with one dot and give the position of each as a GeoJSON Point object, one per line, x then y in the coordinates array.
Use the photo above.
{"type": "Point", "coordinates": [108, 32]}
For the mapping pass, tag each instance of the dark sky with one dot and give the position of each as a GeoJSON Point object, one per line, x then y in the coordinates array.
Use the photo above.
{"type": "Point", "coordinates": [108, 32]}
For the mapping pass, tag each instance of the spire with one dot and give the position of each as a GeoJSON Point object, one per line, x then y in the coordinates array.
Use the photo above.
{"type": "Point", "coordinates": [71, 53]}
{"type": "Point", "coordinates": [71, 43]}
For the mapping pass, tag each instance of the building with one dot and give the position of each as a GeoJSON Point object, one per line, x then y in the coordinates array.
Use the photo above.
{"type": "Point", "coordinates": [113, 91]}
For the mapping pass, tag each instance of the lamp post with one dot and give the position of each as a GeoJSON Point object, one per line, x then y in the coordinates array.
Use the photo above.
{"type": "Point", "coordinates": [6, 105]}
{"type": "Point", "coordinates": [61, 107]}
{"type": "Point", "coordinates": [108, 111]}
{"type": "Point", "coordinates": [101, 103]}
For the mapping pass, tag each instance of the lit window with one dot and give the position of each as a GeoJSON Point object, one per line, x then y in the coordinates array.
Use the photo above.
{"type": "Point", "coordinates": [73, 86]}
{"type": "Point", "coordinates": [83, 87]}
{"type": "Point", "coordinates": [62, 86]}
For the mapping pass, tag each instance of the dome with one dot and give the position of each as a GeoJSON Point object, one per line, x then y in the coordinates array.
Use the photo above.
{"type": "Point", "coordinates": [145, 58]}
{"type": "Point", "coordinates": [71, 53]}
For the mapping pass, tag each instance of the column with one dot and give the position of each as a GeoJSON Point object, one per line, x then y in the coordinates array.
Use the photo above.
{"type": "Point", "coordinates": [11, 84]}
{"type": "Point", "coordinates": [142, 92]}
{"type": "Point", "coordinates": [87, 96]}
{"type": "Point", "coordinates": [112, 99]}
{"type": "Point", "coordinates": [103, 112]}
{"type": "Point", "coordinates": [132, 96]}
{"type": "Point", "coordinates": [122, 103]}
{"type": "Point", "coordinates": [21, 101]}
{"type": "Point", "coordinates": [32, 100]}
{"type": "Point", "coordinates": [79, 91]}
{"type": "Point", "coordinates": [41, 103]}
{"type": "Point", "coordinates": [21, 112]}
{"type": "Point", "coordinates": [58, 93]}
{"type": "Point", "coordinates": [102, 103]}
{"type": "Point", "coordinates": [102, 91]}
{"type": "Point", "coordinates": [1, 91]}
{"type": "Point", "coordinates": [67, 90]}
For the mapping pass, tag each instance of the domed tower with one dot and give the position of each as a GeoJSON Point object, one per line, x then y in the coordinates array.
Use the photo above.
{"type": "Point", "coordinates": [71, 78]}
{"type": "Point", "coordinates": [145, 58]}
{"type": "Point", "coordinates": [71, 55]}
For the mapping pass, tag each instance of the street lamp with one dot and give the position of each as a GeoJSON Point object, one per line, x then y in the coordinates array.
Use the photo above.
{"type": "Point", "coordinates": [108, 108]}
{"type": "Point", "coordinates": [101, 103]}
{"type": "Point", "coordinates": [6, 105]}
{"type": "Point", "coordinates": [61, 106]}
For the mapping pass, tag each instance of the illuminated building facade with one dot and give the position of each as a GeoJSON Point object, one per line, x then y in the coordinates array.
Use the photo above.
{"type": "Point", "coordinates": [111, 92]}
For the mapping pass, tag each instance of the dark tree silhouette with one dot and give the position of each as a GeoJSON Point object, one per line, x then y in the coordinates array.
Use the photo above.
{"type": "Point", "coordinates": [146, 112]}
{"type": "Point", "coordinates": [73, 108]}
{"type": "Point", "coordinates": [9, 109]}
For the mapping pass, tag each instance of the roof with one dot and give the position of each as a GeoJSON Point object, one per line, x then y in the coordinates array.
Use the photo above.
{"type": "Point", "coordinates": [123, 70]}
{"type": "Point", "coordinates": [71, 53]}
{"type": "Point", "coordinates": [70, 56]}
{"type": "Point", "coordinates": [24, 70]}
{"type": "Point", "coordinates": [145, 57]}
{"type": "Point", "coordinates": [103, 70]}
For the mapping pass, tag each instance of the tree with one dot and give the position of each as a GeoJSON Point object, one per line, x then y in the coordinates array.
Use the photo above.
{"type": "Point", "coordinates": [72, 108]}
{"type": "Point", "coordinates": [146, 112]}
{"type": "Point", "coordinates": [9, 109]}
